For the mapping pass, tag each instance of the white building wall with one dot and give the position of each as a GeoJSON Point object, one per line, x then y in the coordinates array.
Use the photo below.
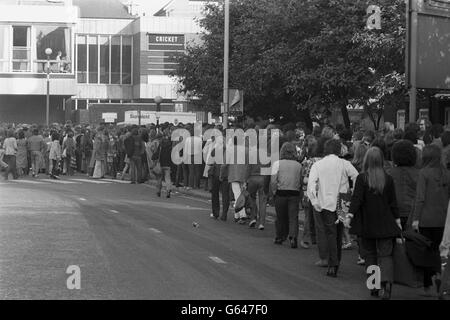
{"type": "Point", "coordinates": [105, 26]}
{"type": "Point", "coordinates": [33, 86]}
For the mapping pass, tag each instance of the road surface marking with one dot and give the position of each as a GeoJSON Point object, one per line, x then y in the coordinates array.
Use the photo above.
{"type": "Point", "coordinates": [82, 199]}
{"type": "Point", "coordinates": [217, 260]}
{"type": "Point", "coordinates": [28, 181]}
{"type": "Point", "coordinates": [91, 181]}
{"type": "Point", "coordinates": [114, 211]}
{"type": "Point", "coordinates": [116, 180]}
{"type": "Point", "coordinates": [154, 230]}
{"type": "Point", "coordinates": [59, 181]}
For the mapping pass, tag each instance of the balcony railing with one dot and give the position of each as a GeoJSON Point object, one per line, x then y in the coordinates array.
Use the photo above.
{"type": "Point", "coordinates": [56, 66]}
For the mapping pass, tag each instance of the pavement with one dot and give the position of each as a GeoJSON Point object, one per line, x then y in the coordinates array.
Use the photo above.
{"type": "Point", "coordinates": [130, 244]}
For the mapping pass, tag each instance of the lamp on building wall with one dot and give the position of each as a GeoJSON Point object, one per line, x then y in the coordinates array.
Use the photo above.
{"type": "Point", "coordinates": [48, 52]}
{"type": "Point", "coordinates": [158, 101]}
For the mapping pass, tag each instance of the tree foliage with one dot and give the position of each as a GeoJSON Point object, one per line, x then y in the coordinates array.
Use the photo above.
{"type": "Point", "coordinates": [298, 58]}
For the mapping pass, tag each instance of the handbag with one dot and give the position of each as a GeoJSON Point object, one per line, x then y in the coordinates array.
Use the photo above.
{"type": "Point", "coordinates": [156, 164]}
{"type": "Point", "coordinates": [242, 201]}
{"type": "Point", "coordinates": [405, 273]}
{"type": "Point", "coordinates": [157, 168]}
{"type": "Point", "coordinates": [343, 202]}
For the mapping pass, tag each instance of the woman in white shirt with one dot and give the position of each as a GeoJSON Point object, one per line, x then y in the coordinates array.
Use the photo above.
{"type": "Point", "coordinates": [10, 146]}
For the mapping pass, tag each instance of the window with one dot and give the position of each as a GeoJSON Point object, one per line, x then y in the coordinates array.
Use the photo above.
{"type": "Point", "coordinates": [104, 59]}
{"type": "Point", "coordinates": [21, 49]}
{"type": "Point", "coordinates": [126, 60]}
{"type": "Point", "coordinates": [447, 117]}
{"type": "Point", "coordinates": [4, 48]}
{"type": "Point", "coordinates": [59, 40]}
{"type": "Point", "coordinates": [401, 119]}
{"type": "Point", "coordinates": [115, 60]}
{"type": "Point", "coordinates": [93, 59]}
{"type": "Point", "coordinates": [81, 104]}
{"type": "Point", "coordinates": [81, 59]}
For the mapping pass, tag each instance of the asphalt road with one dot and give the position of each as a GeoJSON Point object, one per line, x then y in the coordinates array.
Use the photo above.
{"type": "Point", "coordinates": [130, 244]}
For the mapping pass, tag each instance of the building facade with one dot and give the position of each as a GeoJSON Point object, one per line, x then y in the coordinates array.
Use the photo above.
{"type": "Point", "coordinates": [102, 55]}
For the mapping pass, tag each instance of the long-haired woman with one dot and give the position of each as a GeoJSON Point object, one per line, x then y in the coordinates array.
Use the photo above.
{"type": "Point", "coordinates": [376, 217]}
{"type": "Point", "coordinates": [357, 162]}
{"type": "Point", "coordinates": [430, 210]}
{"type": "Point", "coordinates": [358, 156]}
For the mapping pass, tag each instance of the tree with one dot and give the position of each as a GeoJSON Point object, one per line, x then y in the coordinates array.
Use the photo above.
{"type": "Point", "coordinates": [333, 66]}
{"type": "Point", "coordinates": [296, 58]}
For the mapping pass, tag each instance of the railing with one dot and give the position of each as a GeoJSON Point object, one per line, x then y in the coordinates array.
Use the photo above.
{"type": "Point", "coordinates": [56, 66]}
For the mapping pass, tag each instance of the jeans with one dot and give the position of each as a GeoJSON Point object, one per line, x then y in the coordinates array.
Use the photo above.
{"type": "Point", "coordinates": [55, 168]}
{"type": "Point", "coordinates": [135, 168]}
{"type": "Point", "coordinates": [321, 238]}
{"type": "Point", "coordinates": [435, 235]}
{"type": "Point", "coordinates": [165, 172]}
{"type": "Point", "coordinates": [258, 185]}
{"type": "Point", "coordinates": [217, 188]}
{"type": "Point", "coordinates": [286, 223]}
{"type": "Point", "coordinates": [10, 160]}
{"type": "Point", "coordinates": [36, 157]}
{"type": "Point", "coordinates": [195, 173]}
{"type": "Point", "coordinates": [179, 175]}
{"type": "Point", "coordinates": [309, 231]}
{"type": "Point", "coordinates": [379, 252]}
{"type": "Point", "coordinates": [333, 233]}
{"type": "Point", "coordinates": [78, 158]}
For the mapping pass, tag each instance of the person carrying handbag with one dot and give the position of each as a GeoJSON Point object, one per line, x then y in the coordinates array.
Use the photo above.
{"type": "Point", "coordinates": [430, 209]}
{"type": "Point", "coordinates": [325, 182]}
{"type": "Point", "coordinates": [376, 218]}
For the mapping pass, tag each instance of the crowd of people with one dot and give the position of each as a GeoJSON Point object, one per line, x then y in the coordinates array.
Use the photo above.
{"type": "Point", "coordinates": [361, 185]}
{"type": "Point", "coordinates": [352, 185]}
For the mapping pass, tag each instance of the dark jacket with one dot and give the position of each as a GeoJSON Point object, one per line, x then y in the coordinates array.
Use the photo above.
{"type": "Point", "coordinates": [165, 153]}
{"type": "Point", "coordinates": [138, 146]}
{"type": "Point", "coordinates": [405, 181]}
{"type": "Point", "coordinates": [374, 214]}
{"type": "Point", "coordinates": [129, 146]}
{"type": "Point", "coordinates": [432, 196]}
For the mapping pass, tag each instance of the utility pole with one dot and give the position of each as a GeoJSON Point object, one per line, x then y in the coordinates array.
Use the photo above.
{"type": "Point", "coordinates": [412, 23]}
{"type": "Point", "coordinates": [226, 64]}
{"type": "Point", "coordinates": [48, 52]}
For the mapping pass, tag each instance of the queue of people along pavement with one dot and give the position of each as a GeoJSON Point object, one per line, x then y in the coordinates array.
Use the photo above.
{"type": "Point", "coordinates": [398, 180]}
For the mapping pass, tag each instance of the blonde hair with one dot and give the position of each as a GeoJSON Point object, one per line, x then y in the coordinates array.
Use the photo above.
{"type": "Point", "coordinates": [373, 167]}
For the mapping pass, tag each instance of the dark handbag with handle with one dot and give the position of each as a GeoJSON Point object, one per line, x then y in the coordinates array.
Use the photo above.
{"type": "Point", "coordinates": [405, 273]}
